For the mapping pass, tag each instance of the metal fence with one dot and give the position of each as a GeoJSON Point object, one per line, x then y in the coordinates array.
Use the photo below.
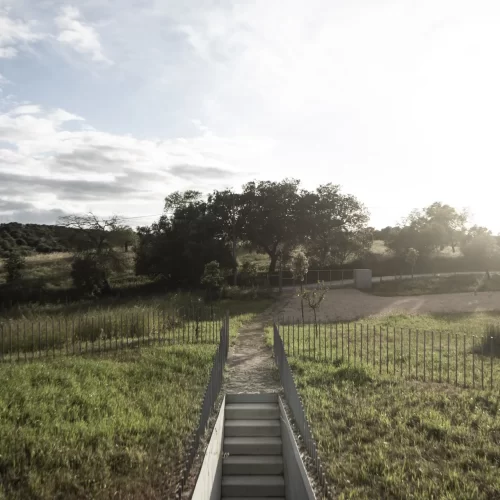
{"type": "Point", "coordinates": [462, 359]}
{"type": "Point", "coordinates": [298, 413]}
{"type": "Point", "coordinates": [24, 340]}
{"type": "Point", "coordinates": [209, 401]}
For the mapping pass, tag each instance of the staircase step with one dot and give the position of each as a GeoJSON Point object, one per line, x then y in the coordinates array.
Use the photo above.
{"type": "Point", "coordinates": [252, 465]}
{"type": "Point", "coordinates": [252, 411]}
{"type": "Point", "coordinates": [256, 486]}
{"type": "Point", "coordinates": [253, 445]}
{"type": "Point", "coordinates": [263, 397]}
{"type": "Point", "coordinates": [253, 428]}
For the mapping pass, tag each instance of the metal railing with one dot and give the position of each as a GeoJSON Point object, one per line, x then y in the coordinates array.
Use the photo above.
{"type": "Point", "coordinates": [462, 359]}
{"type": "Point", "coordinates": [209, 401]}
{"type": "Point", "coordinates": [297, 410]}
{"type": "Point", "coordinates": [24, 340]}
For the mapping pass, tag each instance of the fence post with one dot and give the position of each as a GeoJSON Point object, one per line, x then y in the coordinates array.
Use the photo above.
{"type": "Point", "coordinates": [227, 333]}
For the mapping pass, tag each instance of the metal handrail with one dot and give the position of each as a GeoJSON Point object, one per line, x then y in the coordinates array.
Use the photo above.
{"type": "Point", "coordinates": [297, 410]}
{"type": "Point", "coordinates": [209, 401]}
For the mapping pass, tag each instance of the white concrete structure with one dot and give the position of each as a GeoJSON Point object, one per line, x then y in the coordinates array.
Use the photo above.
{"type": "Point", "coordinates": [208, 485]}
{"type": "Point", "coordinates": [362, 278]}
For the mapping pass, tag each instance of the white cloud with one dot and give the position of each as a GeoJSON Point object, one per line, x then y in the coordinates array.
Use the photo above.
{"type": "Point", "coordinates": [80, 36]}
{"type": "Point", "coordinates": [25, 109]}
{"type": "Point", "coordinates": [15, 34]}
{"type": "Point", "coordinates": [86, 169]}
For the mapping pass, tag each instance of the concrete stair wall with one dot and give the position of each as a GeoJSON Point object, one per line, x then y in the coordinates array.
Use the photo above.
{"type": "Point", "coordinates": [252, 467]}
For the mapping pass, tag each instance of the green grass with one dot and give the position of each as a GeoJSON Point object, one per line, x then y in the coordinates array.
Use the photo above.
{"type": "Point", "coordinates": [451, 348]}
{"type": "Point", "coordinates": [75, 329]}
{"type": "Point", "coordinates": [437, 284]}
{"type": "Point", "coordinates": [382, 438]}
{"type": "Point", "coordinates": [115, 427]}
{"type": "Point", "coordinates": [53, 270]}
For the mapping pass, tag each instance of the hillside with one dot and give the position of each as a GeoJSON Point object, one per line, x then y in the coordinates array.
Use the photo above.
{"type": "Point", "coordinates": [39, 238]}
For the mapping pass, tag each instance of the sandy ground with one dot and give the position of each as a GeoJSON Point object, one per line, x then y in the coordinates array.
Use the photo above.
{"type": "Point", "coordinates": [349, 304]}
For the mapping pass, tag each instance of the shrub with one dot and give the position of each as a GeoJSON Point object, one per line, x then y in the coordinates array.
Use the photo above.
{"type": "Point", "coordinates": [87, 274]}
{"type": "Point", "coordinates": [14, 266]}
{"type": "Point", "coordinates": [212, 278]}
{"type": "Point", "coordinates": [43, 248]}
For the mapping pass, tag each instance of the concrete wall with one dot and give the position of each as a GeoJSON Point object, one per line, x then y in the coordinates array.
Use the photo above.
{"type": "Point", "coordinates": [208, 485]}
{"type": "Point", "coordinates": [297, 486]}
{"type": "Point", "coordinates": [362, 278]}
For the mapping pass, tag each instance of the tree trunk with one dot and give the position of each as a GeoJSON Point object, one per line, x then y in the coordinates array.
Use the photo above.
{"type": "Point", "coordinates": [235, 263]}
{"type": "Point", "coordinates": [274, 261]}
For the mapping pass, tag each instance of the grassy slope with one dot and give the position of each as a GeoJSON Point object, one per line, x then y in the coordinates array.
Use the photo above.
{"type": "Point", "coordinates": [87, 428]}
{"type": "Point", "coordinates": [437, 284]}
{"type": "Point", "coordinates": [380, 438]}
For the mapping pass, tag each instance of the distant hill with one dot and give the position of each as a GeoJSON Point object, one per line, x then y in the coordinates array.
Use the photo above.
{"type": "Point", "coordinates": [35, 238]}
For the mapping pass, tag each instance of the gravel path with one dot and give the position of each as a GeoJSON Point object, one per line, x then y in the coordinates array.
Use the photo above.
{"type": "Point", "coordinates": [250, 363]}
{"type": "Point", "coordinates": [349, 304]}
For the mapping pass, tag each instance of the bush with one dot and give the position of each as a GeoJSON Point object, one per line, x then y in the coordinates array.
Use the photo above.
{"type": "Point", "coordinates": [43, 248]}
{"type": "Point", "coordinates": [14, 266]}
{"type": "Point", "coordinates": [252, 293]}
{"type": "Point", "coordinates": [87, 274]}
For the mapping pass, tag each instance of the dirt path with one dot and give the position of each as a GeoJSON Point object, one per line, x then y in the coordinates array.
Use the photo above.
{"type": "Point", "coordinates": [250, 364]}
{"type": "Point", "coordinates": [350, 304]}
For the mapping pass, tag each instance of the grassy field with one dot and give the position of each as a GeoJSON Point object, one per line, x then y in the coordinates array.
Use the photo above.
{"type": "Point", "coordinates": [54, 269]}
{"type": "Point", "coordinates": [437, 284]}
{"type": "Point", "coordinates": [382, 438]}
{"type": "Point", "coordinates": [452, 348]}
{"type": "Point", "coordinates": [109, 428]}
{"type": "Point", "coordinates": [51, 331]}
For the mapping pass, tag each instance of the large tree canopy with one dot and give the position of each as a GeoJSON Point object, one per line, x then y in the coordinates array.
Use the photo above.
{"type": "Point", "coordinates": [180, 244]}
{"type": "Point", "coordinates": [334, 225]}
{"type": "Point", "coordinates": [428, 230]}
{"type": "Point", "coordinates": [270, 216]}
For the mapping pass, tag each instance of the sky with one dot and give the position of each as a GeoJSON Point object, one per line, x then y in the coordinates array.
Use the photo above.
{"type": "Point", "coordinates": [110, 105]}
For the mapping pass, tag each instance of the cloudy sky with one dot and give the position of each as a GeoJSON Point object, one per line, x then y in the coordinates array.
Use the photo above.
{"type": "Point", "coordinates": [109, 105]}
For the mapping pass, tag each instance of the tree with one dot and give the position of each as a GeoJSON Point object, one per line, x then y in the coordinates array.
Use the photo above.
{"type": "Point", "coordinates": [334, 225]}
{"type": "Point", "coordinates": [269, 216]}
{"type": "Point", "coordinates": [96, 253]}
{"type": "Point", "coordinates": [480, 248]}
{"type": "Point", "coordinates": [314, 299]}
{"type": "Point", "coordinates": [451, 221]}
{"type": "Point", "coordinates": [249, 271]}
{"type": "Point", "coordinates": [14, 266]}
{"type": "Point", "coordinates": [225, 206]}
{"type": "Point", "coordinates": [411, 258]}
{"type": "Point", "coordinates": [179, 245]}
{"type": "Point", "coordinates": [300, 268]}
{"type": "Point", "coordinates": [179, 200]}
{"type": "Point", "coordinates": [427, 230]}
{"type": "Point", "coordinates": [88, 275]}
{"type": "Point", "coordinates": [94, 233]}
{"type": "Point", "coordinates": [212, 278]}
{"type": "Point", "coordinates": [123, 236]}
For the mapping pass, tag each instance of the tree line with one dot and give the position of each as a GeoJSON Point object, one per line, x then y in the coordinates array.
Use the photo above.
{"type": "Point", "coordinates": [277, 218]}
{"type": "Point", "coordinates": [267, 216]}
